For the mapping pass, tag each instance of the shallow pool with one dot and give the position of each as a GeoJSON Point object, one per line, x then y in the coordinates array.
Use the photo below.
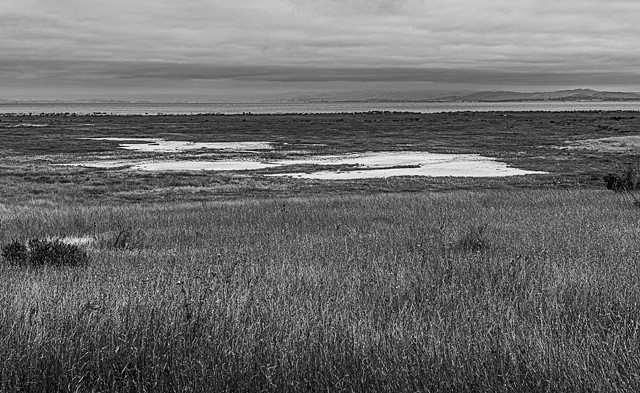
{"type": "Point", "coordinates": [360, 166]}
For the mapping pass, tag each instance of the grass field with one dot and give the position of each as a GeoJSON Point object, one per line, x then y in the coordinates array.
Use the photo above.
{"type": "Point", "coordinates": [520, 284]}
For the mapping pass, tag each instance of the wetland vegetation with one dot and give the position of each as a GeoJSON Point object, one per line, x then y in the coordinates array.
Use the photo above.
{"type": "Point", "coordinates": [239, 281]}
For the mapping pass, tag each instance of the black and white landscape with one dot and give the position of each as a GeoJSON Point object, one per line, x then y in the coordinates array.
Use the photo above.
{"type": "Point", "coordinates": [297, 195]}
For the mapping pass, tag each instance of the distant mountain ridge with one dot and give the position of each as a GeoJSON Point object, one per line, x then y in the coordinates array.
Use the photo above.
{"type": "Point", "coordinates": [562, 95]}
{"type": "Point", "coordinates": [384, 96]}
{"type": "Point", "coordinates": [370, 96]}
{"type": "Point", "coordinates": [483, 96]}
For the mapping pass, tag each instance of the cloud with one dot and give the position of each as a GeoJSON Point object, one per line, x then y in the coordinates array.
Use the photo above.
{"type": "Point", "coordinates": [162, 71]}
{"type": "Point", "coordinates": [320, 40]}
{"type": "Point", "coordinates": [340, 8]}
{"type": "Point", "coordinates": [326, 32]}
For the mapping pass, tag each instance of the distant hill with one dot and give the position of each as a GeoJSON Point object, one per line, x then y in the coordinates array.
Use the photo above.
{"type": "Point", "coordinates": [562, 95]}
{"type": "Point", "coordinates": [483, 96]}
{"type": "Point", "coordinates": [371, 96]}
{"type": "Point", "coordinates": [387, 96]}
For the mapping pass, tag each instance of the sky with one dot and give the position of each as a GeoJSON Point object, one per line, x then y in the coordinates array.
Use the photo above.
{"type": "Point", "coordinates": [251, 50]}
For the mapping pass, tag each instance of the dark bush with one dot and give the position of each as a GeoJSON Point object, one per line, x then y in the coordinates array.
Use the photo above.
{"type": "Point", "coordinates": [55, 253]}
{"type": "Point", "coordinates": [628, 180]}
{"type": "Point", "coordinates": [15, 253]}
{"type": "Point", "coordinates": [44, 252]}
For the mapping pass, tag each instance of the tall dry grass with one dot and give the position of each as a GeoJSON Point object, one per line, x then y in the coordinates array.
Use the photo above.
{"type": "Point", "coordinates": [460, 291]}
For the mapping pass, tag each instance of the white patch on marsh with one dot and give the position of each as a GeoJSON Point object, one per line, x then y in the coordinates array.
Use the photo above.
{"type": "Point", "coordinates": [176, 165]}
{"type": "Point", "coordinates": [202, 166]}
{"type": "Point", "coordinates": [389, 164]}
{"type": "Point", "coordinates": [160, 145]}
{"type": "Point", "coordinates": [364, 165]}
{"type": "Point", "coordinates": [378, 159]}
{"type": "Point", "coordinates": [26, 125]}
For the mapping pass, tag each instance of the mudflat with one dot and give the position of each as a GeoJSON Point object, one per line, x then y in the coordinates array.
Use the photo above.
{"type": "Point", "coordinates": [201, 157]}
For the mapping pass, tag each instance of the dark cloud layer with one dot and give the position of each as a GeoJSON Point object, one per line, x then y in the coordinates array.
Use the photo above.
{"type": "Point", "coordinates": [81, 70]}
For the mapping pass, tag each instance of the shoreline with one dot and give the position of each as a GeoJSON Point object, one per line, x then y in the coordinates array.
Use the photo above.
{"type": "Point", "coordinates": [110, 109]}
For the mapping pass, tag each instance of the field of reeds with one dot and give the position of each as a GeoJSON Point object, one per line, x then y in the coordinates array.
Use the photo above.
{"type": "Point", "coordinates": [531, 290]}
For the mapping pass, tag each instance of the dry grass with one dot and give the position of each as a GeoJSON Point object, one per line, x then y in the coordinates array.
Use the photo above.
{"type": "Point", "coordinates": [461, 291]}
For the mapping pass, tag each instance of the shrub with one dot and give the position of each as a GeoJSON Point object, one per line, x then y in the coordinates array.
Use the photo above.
{"type": "Point", "coordinates": [44, 252]}
{"type": "Point", "coordinates": [15, 253]}
{"type": "Point", "coordinates": [56, 253]}
{"type": "Point", "coordinates": [627, 181]}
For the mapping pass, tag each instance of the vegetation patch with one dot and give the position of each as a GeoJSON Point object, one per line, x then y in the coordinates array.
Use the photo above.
{"type": "Point", "coordinates": [475, 239]}
{"type": "Point", "coordinates": [44, 252]}
{"type": "Point", "coordinates": [129, 239]}
{"type": "Point", "coordinates": [627, 180]}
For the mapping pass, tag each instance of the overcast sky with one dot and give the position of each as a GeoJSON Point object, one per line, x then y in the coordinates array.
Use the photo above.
{"type": "Point", "coordinates": [253, 49]}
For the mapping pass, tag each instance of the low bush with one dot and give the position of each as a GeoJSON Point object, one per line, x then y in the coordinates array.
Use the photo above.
{"type": "Point", "coordinates": [628, 180]}
{"type": "Point", "coordinates": [15, 253]}
{"type": "Point", "coordinates": [44, 252]}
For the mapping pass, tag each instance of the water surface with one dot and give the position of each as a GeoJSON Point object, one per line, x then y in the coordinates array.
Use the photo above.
{"type": "Point", "coordinates": [342, 107]}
